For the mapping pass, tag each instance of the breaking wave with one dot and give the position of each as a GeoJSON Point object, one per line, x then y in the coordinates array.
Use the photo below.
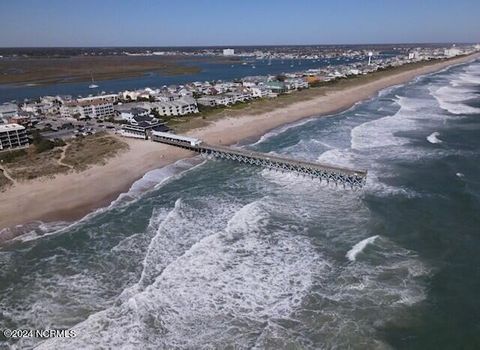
{"type": "Point", "coordinates": [359, 247]}
{"type": "Point", "coordinates": [433, 137]}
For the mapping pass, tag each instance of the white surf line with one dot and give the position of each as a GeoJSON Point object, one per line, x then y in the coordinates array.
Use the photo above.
{"type": "Point", "coordinates": [359, 247]}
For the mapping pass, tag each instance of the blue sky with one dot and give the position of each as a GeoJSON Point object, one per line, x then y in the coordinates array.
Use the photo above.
{"type": "Point", "coordinates": [240, 22]}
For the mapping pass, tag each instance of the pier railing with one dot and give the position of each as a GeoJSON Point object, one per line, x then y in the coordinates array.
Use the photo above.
{"type": "Point", "coordinates": [324, 172]}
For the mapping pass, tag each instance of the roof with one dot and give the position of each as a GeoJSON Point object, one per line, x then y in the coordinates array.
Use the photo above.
{"type": "Point", "coordinates": [87, 103]}
{"type": "Point", "coordinates": [11, 127]}
{"type": "Point", "coordinates": [136, 111]}
{"type": "Point", "coordinates": [275, 84]}
{"type": "Point", "coordinates": [8, 107]}
{"type": "Point", "coordinates": [173, 136]}
{"type": "Point", "coordinates": [143, 118]}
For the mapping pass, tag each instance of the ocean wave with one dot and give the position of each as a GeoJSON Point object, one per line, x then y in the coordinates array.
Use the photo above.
{"type": "Point", "coordinates": [359, 247]}
{"type": "Point", "coordinates": [450, 99]}
{"type": "Point", "coordinates": [472, 79]}
{"type": "Point", "coordinates": [212, 293]}
{"type": "Point", "coordinates": [282, 129]}
{"type": "Point", "coordinates": [454, 94]}
{"type": "Point", "coordinates": [433, 137]}
{"type": "Point", "coordinates": [380, 132]}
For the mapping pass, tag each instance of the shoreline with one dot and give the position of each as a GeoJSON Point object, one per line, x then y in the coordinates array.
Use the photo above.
{"type": "Point", "coordinates": [72, 196]}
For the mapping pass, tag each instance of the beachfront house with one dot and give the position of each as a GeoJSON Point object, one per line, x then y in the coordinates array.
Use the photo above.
{"type": "Point", "coordinates": [216, 100]}
{"type": "Point", "coordinates": [296, 84]}
{"type": "Point", "coordinates": [276, 86]}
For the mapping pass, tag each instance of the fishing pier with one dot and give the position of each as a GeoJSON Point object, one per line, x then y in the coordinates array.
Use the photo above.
{"type": "Point", "coordinates": [323, 172]}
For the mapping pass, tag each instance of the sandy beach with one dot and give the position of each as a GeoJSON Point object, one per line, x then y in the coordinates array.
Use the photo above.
{"type": "Point", "coordinates": [73, 195]}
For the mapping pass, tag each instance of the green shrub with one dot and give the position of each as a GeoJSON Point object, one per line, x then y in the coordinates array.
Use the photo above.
{"type": "Point", "coordinates": [44, 145]}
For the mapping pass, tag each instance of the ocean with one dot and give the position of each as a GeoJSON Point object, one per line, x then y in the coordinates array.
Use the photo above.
{"type": "Point", "coordinates": [216, 255]}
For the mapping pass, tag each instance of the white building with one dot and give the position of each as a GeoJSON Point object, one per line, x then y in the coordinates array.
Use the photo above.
{"type": "Point", "coordinates": [453, 51]}
{"type": "Point", "coordinates": [228, 52]}
{"type": "Point", "coordinates": [296, 83]}
{"type": "Point", "coordinates": [82, 110]}
{"type": "Point", "coordinates": [13, 136]}
{"type": "Point", "coordinates": [103, 98]}
{"type": "Point", "coordinates": [8, 110]}
{"type": "Point", "coordinates": [414, 55]}
{"type": "Point", "coordinates": [216, 100]}
{"type": "Point", "coordinates": [259, 91]}
{"type": "Point", "coordinates": [182, 106]}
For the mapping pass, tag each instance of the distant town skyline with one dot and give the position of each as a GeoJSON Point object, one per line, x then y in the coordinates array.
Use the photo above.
{"type": "Point", "coordinates": [29, 23]}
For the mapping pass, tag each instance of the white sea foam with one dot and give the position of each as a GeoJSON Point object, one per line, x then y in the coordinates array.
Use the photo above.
{"type": "Point", "coordinates": [433, 137]}
{"type": "Point", "coordinates": [338, 157]}
{"type": "Point", "coordinates": [213, 293]}
{"type": "Point", "coordinates": [282, 129]}
{"type": "Point", "coordinates": [452, 98]}
{"type": "Point", "coordinates": [359, 247]}
{"type": "Point", "coordinates": [380, 132]}
{"type": "Point", "coordinates": [470, 78]}
{"type": "Point", "coordinates": [454, 94]}
{"type": "Point", "coordinates": [457, 108]}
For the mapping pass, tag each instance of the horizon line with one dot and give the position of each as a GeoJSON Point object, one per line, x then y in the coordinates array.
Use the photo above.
{"type": "Point", "coordinates": [238, 45]}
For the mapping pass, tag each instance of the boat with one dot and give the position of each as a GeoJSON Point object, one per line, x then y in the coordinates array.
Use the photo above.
{"type": "Point", "coordinates": [253, 67]}
{"type": "Point", "coordinates": [92, 85]}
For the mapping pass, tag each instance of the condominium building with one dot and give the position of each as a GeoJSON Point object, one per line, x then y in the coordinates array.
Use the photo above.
{"type": "Point", "coordinates": [12, 136]}
{"type": "Point", "coordinates": [83, 109]}
{"type": "Point", "coordinates": [102, 98]}
{"type": "Point", "coordinates": [182, 106]}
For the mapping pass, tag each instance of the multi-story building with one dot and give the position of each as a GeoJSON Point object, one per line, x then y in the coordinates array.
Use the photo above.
{"type": "Point", "coordinates": [183, 106]}
{"type": "Point", "coordinates": [102, 98]}
{"type": "Point", "coordinates": [81, 110]}
{"type": "Point", "coordinates": [13, 136]}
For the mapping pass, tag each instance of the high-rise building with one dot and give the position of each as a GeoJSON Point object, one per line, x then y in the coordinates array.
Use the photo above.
{"type": "Point", "coordinates": [228, 52]}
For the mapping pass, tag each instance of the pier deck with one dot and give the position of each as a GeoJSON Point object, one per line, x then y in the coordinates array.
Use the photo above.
{"type": "Point", "coordinates": [324, 172]}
